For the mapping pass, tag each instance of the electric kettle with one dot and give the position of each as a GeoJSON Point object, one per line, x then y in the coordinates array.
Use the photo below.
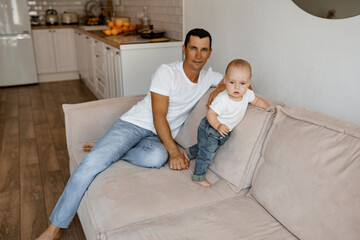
{"type": "Point", "coordinates": [51, 17]}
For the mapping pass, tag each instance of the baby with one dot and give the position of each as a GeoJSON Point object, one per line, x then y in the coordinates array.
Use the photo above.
{"type": "Point", "coordinates": [225, 112]}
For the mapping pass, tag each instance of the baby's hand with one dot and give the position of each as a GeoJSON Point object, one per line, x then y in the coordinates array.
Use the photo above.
{"type": "Point", "coordinates": [223, 129]}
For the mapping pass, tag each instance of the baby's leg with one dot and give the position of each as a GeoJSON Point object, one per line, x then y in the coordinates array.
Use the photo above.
{"type": "Point", "coordinates": [207, 146]}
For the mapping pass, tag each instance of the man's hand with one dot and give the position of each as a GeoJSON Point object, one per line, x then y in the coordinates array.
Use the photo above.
{"type": "Point", "coordinates": [223, 129]}
{"type": "Point", "coordinates": [218, 90]}
{"type": "Point", "coordinates": [178, 162]}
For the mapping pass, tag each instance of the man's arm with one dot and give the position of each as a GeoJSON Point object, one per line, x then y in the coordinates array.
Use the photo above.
{"type": "Point", "coordinates": [221, 87]}
{"type": "Point", "coordinates": [160, 104]}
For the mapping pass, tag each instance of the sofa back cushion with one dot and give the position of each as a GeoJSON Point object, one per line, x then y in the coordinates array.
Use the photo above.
{"type": "Point", "coordinates": [309, 173]}
{"type": "Point", "coordinates": [236, 160]}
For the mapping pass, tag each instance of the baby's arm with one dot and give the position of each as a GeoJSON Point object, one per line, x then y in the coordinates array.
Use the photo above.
{"type": "Point", "coordinates": [261, 103]}
{"type": "Point", "coordinates": [214, 122]}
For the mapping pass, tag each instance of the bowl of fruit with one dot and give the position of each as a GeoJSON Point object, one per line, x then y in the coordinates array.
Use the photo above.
{"type": "Point", "coordinates": [119, 26]}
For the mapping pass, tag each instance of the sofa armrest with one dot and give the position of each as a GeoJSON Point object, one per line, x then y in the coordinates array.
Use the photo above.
{"type": "Point", "coordinates": [90, 120]}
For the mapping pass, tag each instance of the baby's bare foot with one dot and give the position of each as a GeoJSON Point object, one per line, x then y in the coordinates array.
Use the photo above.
{"type": "Point", "coordinates": [205, 183]}
{"type": "Point", "coordinates": [51, 233]}
{"type": "Point", "coordinates": [86, 147]}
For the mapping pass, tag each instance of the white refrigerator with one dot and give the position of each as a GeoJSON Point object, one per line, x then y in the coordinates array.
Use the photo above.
{"type": "Point", "coordinates": [17, 58]}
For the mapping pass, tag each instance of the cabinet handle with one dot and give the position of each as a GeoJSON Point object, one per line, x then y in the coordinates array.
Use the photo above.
{"type": "Point", "coordinates": [79, 34]}
{"type": "Point", "coordinates": [107, 48]}
{"type": "Point", "coordinates": [97, 55]}
{"type": "Point", "coordinates": [96, 41]}
{"type": "Point", "coordinates": [99, 79]}
{"type": "Point", "coordinates": [117, 53]}
{"type": "Point", "coordinates": [87, 37]}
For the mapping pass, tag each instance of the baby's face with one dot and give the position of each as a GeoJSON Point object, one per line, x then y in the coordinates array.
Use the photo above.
{"type": "Point", "coordinates": [237, 81]}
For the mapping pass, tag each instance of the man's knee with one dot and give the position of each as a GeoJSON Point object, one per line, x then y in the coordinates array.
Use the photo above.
{"type": "Point", "coordinates": [156, 157]}
{"type": "Point", "coordinates": [150, 153]}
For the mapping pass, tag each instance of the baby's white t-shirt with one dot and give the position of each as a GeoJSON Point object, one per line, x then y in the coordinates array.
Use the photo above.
{"type": "Point", "coordinates": [170, 80]}
{"type": "Point", "coordinates": [231, 112]}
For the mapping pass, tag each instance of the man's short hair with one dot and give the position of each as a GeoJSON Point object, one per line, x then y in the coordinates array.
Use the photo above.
{"type": "Point", "coordinates": [197, 32]}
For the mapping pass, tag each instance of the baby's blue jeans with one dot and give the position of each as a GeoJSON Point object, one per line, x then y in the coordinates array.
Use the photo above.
{"type": "Point", "coordinates": [124, 141]}
{"type": "Point", "coordinates": [209, 140]}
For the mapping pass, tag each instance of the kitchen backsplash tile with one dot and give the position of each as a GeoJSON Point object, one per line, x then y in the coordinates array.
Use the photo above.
{"type": "Point", "coordinates": [37, 7]}
{"type": "Point", "coordinates": [164, 14]}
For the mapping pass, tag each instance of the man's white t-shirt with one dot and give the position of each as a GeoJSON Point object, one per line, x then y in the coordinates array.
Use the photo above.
{"type": "Point", "coordinates": [231, 112]}
{"type": "Point", "coordinates": [170, 80]}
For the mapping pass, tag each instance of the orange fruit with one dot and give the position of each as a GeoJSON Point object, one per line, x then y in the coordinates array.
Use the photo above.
{"type": "Point", "coordinates": [114, 31]}
{"type": "Point", "coordinates": [111, 24]}
{"type": "Point", "coordinates": [107, 32]}
{"type": "Point", "coordinates": [119, 22]}
{"type": "Point", "coordinates": [125, 28]}
{"type": "Point", "coordinates": [132, 27]}
{"type": "Point", "coordinates": [127, 24]}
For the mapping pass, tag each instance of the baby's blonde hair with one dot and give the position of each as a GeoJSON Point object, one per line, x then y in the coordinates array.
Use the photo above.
{"type": "Point", "coordinates": [239, 63]}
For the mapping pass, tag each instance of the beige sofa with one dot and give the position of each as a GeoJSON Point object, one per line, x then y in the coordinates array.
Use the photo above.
{"type": "Point", "coordinates": [295, 175]}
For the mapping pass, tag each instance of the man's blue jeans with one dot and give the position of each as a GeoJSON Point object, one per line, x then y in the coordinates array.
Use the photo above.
{"type": "Point", "coordinates": [124, 141]}
{"type": "Point", "coordinates": [209, 140]}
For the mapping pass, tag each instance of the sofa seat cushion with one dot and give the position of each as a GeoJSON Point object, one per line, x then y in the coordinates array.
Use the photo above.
{"type": "Point", "coordinates": [125, 194]}
{"type": "Point", "coordinates": [308, 176]}
{"type": "Point", "coordinates": [236, 160]}
{"type": "Point", "coordinates": [235, 218]}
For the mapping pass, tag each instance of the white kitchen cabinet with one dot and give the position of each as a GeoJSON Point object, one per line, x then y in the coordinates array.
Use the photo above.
{"type": "Point", "coordinates": [84, 55]}
{"type": "Point", "coordinates": [89, 48]}
{"type": "Point", "coordinates": [123, 71]}
{"type": "Point", "coordinates": [107, 73]}
{"type": "Point", "coordinates": [44, 51]}
{"type": "Point", "coordinates": [140, 61]}
{"type": "Point", "coordinates": [101, 74]}
{"type": "Point", "coordinates": [55, 54]}
{"type": "Point", "coordinates": [80, 53]}
{"type": "Point", "coordinates": [113, 62]}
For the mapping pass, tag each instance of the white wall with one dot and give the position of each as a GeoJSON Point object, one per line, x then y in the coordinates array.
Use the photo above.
{"type": "Point", "coordinates": [296, 58]}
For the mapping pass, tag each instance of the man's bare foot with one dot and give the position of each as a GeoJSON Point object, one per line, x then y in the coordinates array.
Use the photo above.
{"type": "Point", "coordinates": [86, 147]}
{"type": "Point", "coordinates": [205, 183]}
{"type": "Point", "coordinates": [51, 233]}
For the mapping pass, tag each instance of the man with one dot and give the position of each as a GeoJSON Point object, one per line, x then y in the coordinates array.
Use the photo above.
{"type": "Point", "coordinates": [144, 136]}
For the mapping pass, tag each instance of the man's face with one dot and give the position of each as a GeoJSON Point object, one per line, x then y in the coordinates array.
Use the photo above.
{"type": "Point", "coordinates": [197, 52]}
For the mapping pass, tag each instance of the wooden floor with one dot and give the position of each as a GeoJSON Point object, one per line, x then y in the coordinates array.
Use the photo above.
{"type": "Point", "coordinates": [33, 156]}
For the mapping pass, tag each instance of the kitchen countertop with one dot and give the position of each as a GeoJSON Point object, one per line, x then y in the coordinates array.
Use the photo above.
{"type": "Point", "coordinates": [54, 26]}
{"type": "Point", "coordinates": [114, 41]}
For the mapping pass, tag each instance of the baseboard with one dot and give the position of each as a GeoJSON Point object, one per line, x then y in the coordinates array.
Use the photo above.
{"type": "Point", "coordinates": [52, 77]}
